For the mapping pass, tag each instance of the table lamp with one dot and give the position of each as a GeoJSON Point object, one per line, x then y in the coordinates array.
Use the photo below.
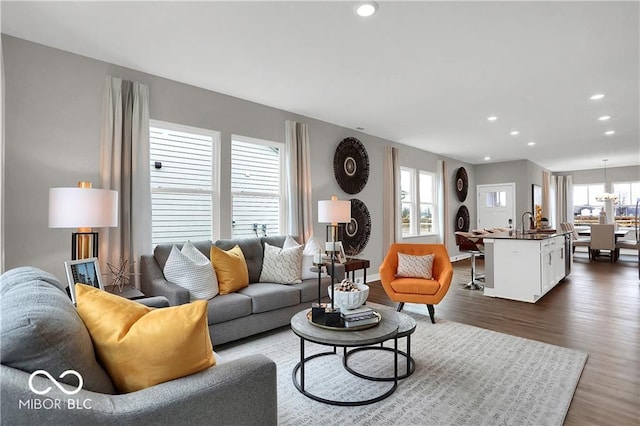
{"type": "Point", "coordinates": [83, 208]}
{"type": "Point", "coordinates": [333, 212]}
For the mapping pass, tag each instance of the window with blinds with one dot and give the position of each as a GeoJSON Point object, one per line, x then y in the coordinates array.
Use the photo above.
{"type": "Point", "coordinates": [256, 187]}
{"type": "Point", "coordinates": [183, 183]}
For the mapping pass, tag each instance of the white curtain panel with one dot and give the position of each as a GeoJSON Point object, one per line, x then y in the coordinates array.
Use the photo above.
{"type": "Point", "coordinates": [391, 198]}
{"type": "Point", "coordinates": [298, 182]}
{"type": "Point", "coordinates": [124, 167]}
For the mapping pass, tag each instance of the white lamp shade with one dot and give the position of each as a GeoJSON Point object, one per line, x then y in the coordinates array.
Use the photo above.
{"type": "Point", "coordinates": [334, 211]}
{"type": "Point", "coordinates": [82, 208]}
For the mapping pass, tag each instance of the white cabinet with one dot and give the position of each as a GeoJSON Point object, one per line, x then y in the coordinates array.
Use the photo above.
{"type": "Point", "coordinates": [526, 269]}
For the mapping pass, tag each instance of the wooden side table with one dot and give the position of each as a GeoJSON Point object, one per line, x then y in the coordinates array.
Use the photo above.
{"type": "Point", "coordinates": [355, 264]}
{"type": "Point", "coordinates": [128, 292]}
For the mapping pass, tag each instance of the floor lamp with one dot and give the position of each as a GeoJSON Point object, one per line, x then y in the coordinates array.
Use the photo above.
{"type": "Point", "coordinates": [83, 208]}
{"type": "Point", "coordinates": [334, 212]}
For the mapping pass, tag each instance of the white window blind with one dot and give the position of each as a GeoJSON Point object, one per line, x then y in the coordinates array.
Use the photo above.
{"type": "Point", "coordinates": [183, 183]}
{"type": "Point", "coordinates": [256, 187]}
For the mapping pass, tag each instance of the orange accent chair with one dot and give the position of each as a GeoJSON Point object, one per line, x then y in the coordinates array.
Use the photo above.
{"type": "Point", "coordinates": [417, 290]}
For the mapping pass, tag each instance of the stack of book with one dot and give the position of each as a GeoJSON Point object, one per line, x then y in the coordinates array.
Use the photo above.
{"type": "Point", "coordinates": [359, 316]}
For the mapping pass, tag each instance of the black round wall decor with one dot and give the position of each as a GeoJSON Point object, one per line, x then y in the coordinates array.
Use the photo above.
{"type": "Point", "coordinates": [351, 165]}
{"type": "Point", "coordinates": [357, 232]}
{"type": "Point", "coordinates": [462, 219]}
{"type": "Point", "coordinates": [462, 184]}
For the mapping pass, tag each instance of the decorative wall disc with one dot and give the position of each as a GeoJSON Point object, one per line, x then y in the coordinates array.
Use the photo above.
{"type": "Point", "coordinates": [462, 184]}
{"type": "Point", "coordinates": [351, 165]}
{"type": "Point", "coordinates": [357, 232]}
{"type": "Point", "coordinates": [462, 219]}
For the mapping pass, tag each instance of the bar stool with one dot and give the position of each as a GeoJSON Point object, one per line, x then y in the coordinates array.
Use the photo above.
{"type": "Point", "coordinates": [472, 244]}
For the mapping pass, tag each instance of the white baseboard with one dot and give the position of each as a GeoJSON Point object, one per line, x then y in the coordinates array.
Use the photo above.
{"type": "Point", "coordinates": [373, 277]}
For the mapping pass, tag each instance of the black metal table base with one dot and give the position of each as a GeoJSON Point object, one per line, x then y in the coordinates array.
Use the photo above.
{"type": "Point", "coordinates": [300, 385]}
{"type": "Point", "coordinates": [411, 366]}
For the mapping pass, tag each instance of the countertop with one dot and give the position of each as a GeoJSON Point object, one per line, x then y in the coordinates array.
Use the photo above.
{"type": "Point", "coordinates": [532, 235]}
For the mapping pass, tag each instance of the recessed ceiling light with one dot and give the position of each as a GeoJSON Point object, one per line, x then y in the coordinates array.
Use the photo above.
{"type": "Point", "coordinates": [532, 143]}
{"type": "Point", "coordinates": [492, 118]}
{"type": "Point", "coordinates": [610, 132]}
{"type": "Point", "coordinates": [604, 118]}
{"type": "Point", "coordinates": [366, 9]}
{"type": "Point", "coordinates": [597, 96]}
{"type": "Point", "coordinates": [514, 132]}
{"type": "Point", "coordinates": [487, 158]}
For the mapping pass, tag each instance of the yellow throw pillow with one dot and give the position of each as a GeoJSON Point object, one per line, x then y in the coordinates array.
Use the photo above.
{"type": "Point", "coordinates": [231, 269]}
{"type": "Point", "coordinates": [140, 346]}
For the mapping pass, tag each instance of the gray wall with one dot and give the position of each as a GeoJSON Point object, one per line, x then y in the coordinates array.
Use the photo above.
{"type": "Point", "coordinates": [614, 174]}
{"type": "Point", "coordinates": [53, 114]}
{"type": "Point", "coordinates": [523, 173]}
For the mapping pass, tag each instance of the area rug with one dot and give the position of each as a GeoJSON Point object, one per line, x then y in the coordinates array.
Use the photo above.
{"type": "Point", "coordinates": [464, 375]}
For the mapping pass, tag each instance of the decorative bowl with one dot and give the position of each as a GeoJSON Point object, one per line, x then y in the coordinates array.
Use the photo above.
{"type": "Point", "coordinates": [350, 299]}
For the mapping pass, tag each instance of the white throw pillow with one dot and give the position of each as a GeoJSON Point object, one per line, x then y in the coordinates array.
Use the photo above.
{"type": "Point", "coordinates": [191, 269]}
{"type": "Point", "coordinates": [311, 248]}
{"type": "Point", "coordinates": [290, 242]}
{"type": "Point", "coordinates": [281, 265]}
{"type": "Point", "coordinates": [415, 266]}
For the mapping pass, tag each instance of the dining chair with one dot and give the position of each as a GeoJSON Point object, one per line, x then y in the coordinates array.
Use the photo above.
{"type": "Point", "coordinates": [576, 240]}
{"type": "Point", "coordinates": [603, 238]}
{"type": "Point", "coordinates": [630, 245]}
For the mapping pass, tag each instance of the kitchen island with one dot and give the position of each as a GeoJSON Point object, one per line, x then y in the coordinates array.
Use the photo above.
{"type": "Point", "coordinates": [525, 266]}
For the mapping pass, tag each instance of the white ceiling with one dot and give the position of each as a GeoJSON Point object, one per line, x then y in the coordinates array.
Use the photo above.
{"type": "Point", "coordinates": [425, 74]}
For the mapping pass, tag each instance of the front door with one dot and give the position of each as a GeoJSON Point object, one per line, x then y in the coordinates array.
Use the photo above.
{"type": "Point", "coordinates": [496, 206]}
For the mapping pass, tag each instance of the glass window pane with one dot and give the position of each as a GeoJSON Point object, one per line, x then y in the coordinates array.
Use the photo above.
{"type": "Point", "coordinates": [580, 195]}
{"type": "Point", "coordinates": [406, 219]}
{"type": "Point", "coordinates": [255, 216]}
{"type": "Point", "coordinates": [256, 177]}
{"type": "Point", "coordinates": [426, 188]}
{"type": "Point", "coordinates": [496, 199]}
{"type": "Point", "coordinates": [623, 190]}
{"type": "Point", "coordinates": [182, 190]}
{"type": "Point", "coordinates": [635, 192]}
{"type": "Point", "coordinates": [426, 218]}
{"type": "Point", "coordinates": [255, 168]}
{"type": "Point", "coordinates": [405, 185]}
{"type": "Point", "coordinates": [594, 191]}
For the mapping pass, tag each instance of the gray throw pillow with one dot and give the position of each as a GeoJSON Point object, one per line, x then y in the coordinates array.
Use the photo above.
{"type": "Point", "coordinates": [41, 330]}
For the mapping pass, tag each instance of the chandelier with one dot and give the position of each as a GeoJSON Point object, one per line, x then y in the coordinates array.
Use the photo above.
{"type": "Point", "coordinates": [607, 196]}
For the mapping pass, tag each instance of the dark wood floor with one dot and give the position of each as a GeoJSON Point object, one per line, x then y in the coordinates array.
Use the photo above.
{"type": "Point", "coordinates": [596, 309]}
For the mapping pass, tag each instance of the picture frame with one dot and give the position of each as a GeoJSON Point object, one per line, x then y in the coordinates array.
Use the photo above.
{"type": "Point", "coordinates": [83, 271]}
{"type": "Point", "coordinates": [536, 197]}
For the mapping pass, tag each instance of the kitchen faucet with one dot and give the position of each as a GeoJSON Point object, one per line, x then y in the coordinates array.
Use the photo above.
{"type": "Point", "coordinates": [523, 215]}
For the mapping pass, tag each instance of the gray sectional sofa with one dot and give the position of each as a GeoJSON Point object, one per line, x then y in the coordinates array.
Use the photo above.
{"type": "Point", "coordinates": [257, 308]}
{"type": "Point", "coordinates": [41, 330]}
